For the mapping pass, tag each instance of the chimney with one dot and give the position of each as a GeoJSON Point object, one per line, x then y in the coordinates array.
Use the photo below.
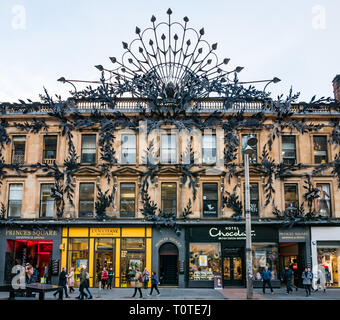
{"type": "Point", "coordinates": [336, 87]}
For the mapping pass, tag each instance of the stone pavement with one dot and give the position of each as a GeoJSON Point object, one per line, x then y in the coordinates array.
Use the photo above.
{"type": "Point", "coordinates": [197, 294]}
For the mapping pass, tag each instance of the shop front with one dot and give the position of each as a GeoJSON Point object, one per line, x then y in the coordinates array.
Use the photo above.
{"type": "Point", "coordinates": [38, 246]}
{"type": "Point", "coordinates": [124, 249]}
{"type": "Point", "coordinates": [325, 243]}
{"type": "Point", "coordinates": [220, 251]}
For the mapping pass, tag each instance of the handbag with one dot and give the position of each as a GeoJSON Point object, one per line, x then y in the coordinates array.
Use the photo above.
{"type": "Point", "coordinates": [318, 281]}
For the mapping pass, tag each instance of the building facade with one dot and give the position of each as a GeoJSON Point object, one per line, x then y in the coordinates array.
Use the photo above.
{"type": "Point", "coordinates": [133, 183]}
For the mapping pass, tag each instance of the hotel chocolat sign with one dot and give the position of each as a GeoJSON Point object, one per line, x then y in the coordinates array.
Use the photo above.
{"type": "Point", "coordinates": [229, 233]}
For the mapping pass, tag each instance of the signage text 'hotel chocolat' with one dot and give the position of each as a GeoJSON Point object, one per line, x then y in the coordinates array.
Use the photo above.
{"type": "Point", "coordinates": [229, 233]}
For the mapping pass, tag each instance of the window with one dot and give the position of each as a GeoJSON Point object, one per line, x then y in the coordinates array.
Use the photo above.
{"type": "Point", "coordinates": [14, 200]}
{"type": "Point", "coordinates": [129, 148]}
{"type": "Point", "coordinates": [291, 197]}
{"type": "Point", "coordinates": [18, 149]}
{"type": "Point", "coordinates": [86, 199]}
{"type": "Point", "coordinates": [46, 201]}
{"type": "Point", "coordinates": [78, 251]}
{"type": "Point", "coordinates": [168, 148]}
{"type": "Point", "coordinates": [265, 255]}
{"type": "Point", "coordinates": [320, 149]}
{"type": "Point", "coordinates": [50, 149]}
{"type": "Point", "coordinates": [254, 198]}
{"type": "Point", "coordinates": [253, 156]}
{"type": "Point", "coordinates": [210, 200]}
{"type": "Point", "coordinates": [88, 148]}
{"type": "Point", "coordinates": [204, 261]}
{"type": "Point", "coordinates": [209, 149]}
{"type": "Point", "coordinates": [323, 202]}
{"type": "Point", "coordinates": [288, 150]}
{"type": "Point", "coordinates": [169, 198]}
{"type": "Point", "coordinates": [127, 199]}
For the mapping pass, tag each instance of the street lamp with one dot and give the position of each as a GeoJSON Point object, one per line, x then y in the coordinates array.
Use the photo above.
{"type": "Point", "coordinates": [248, 149]}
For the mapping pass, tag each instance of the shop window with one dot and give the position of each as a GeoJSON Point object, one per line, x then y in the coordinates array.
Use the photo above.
{"type": "Point", "coordinates": [18, 149]}
{"type": "Point", "coordinates": [210, 200]}
{"type": "Point", "coordinates": [127, 199]}
{"type": "Point", "coordinates": [78, 251]}
{"type": "Point", "coordinates": [50, 149]}
{"type": "Point", "coordinates": [329, 260]}
{"type": "Point", "coordinates": [168, 148]}
{"type": "Point", "coordinates": [14, 200]}
{"type": "Point", "coordinates": [129, 148]}
{"type": "Point", "coordinates": [104, 256]}
{"type": "Point", "coordinates": [204, 261]}
{"type": "Point", "coordinates": [169, 198]}
{"type": "Point", "coordinates": [253, 156]}
{"type": "Point", "coordinates": [86, 199]}
{"type": "Point", "coordinates": [323, 202]}
{"type": "Point", "coordinates": [320, 149]}
{"type": "Point", "coordinates": [46, 201]}
{"type": "Point", "coordinates": [291, 197]}
{"type": "Point", "coordinates": [265, 255]}
{"type": "Point", "coordinates": [288, 150]}
{"type": "Point", "coordinates": [88, 148]}
{"type": "Point", "coordinates": [132, 259]}
{"type": "Point", "coordinates": [209, 149]}
{"type": "Point", "coordinates": [254, 198]}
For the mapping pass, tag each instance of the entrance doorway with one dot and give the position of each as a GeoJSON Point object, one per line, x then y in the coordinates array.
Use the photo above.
{"type": "Point", "coordinates": [104, 257]}
{"type": "Point", "coordinates": [168, 265]}
{"type": "Point", "coordinates": [233, 269]}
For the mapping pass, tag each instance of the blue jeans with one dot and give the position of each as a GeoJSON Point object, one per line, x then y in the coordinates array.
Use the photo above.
{"type": "Point", "coordinates": [289, 285]}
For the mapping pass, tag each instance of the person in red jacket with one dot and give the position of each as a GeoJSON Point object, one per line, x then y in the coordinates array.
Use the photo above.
{"type": "Point", "coordinates": [104, 277]}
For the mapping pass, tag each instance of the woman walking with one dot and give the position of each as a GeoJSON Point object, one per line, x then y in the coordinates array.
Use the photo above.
{"type": "Point", "coordinates": [138, 283]}
{"type": "Point", "coordinates": [146, 276]}
{"type": "Point", "coordinates": [321, 282]}
{"type": "Point", "coordinates": [104, 277]}
{"type": "Point", "coordinates": [70, 280]}
{"type": "Point", "coordinates": [154, 283]}
{"type": "Point", "coordinates": [110, 278]}
{"type": "Point", "coordinates": [307, 278]}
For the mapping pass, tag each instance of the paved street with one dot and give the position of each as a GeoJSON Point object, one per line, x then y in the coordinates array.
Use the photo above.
{"type": "Point", "coordinates": [200, 294]}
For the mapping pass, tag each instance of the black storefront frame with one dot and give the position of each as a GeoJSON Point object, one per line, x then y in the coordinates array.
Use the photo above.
{"type": "Point", "coordinates": [200, 234]}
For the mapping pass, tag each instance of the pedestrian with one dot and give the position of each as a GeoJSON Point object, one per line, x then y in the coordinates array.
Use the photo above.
{"type": "Point", "coordinates": [104, 276]}
{"type": "Point", "coordinates": [70, 280]}
{"type": "Point", "coordinates": [138, 283]}
{"type": "Point", "coordinates": [266, 278]}
{"type": "Point", "coordinates": [83, 284]}
{"type": "Point", "coordinates": [154, 283]}
{"type": "Point", "coordinates": [307, 278]}
{"type": "Point", "coordinates": [45, 276]}
{"type": "Point", "coordinates": [146, 276]}
{"type": "Point", "coordinates": [87, 284]}
{"type": "Point", "coordinates": [30, 278]}
{"type": "Point", "coordinates": [328, 278]}
{"type": "Point", "coordinates": [321, 281]}
{"type": "Point", "coordinates": [62, 283]}
{"type": "Point", "coordinates": [110, 278]}
{"type": "Point", "coordinates": [286, 277]}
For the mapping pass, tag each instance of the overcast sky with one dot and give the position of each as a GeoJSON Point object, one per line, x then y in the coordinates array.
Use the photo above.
{"type": "Point", "coordinates": [297, 41]}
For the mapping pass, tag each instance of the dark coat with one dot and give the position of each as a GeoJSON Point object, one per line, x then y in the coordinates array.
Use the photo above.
{"type": "Point", "coordinates": [287, 276]}
{"type": "Point", "coordinates": [154, 279]}
{"type": "Point", "coordinates": [62, 278]}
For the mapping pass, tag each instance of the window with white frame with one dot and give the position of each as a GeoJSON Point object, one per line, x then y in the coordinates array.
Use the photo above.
{"type": "Point", "coordinates": [14, 200]}
{"type": "Point", "coordinates": [168, 148]}
{"type": "Point", "coordinates": [88, 148]}
{"type": "Point", "coordinates": [128, 148]}
{"type": "Point", "coordinates": [209, 149]}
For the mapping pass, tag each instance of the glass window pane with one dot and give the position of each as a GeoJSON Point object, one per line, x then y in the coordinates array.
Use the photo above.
{"type": "Point", "coordinates": [78, 256]}
{"type": "Point", "coordinates": [253, 156]}
{"type": "Point", "coordinates": [323, 202]}
{"type": "Point", "coordinates": [288, 149]}
{"type": "Point", "coordinates": [129, 148]}
{"type": "Point", "coordinates": [88, 149]}
{"type": "Point", "coordinates": [50, 148]}
{"type": "Point", "coordinates": [169, 198]}
{"type": "Point", "coordinates": [14, 200]}
{"type": "Point", "coordinates": [254, 198]}
{"type": "Point", "coordinates": [127, 199]}
{"type": "Point", "coordinates": [18, 149]}
{"type": "Point", "coordinates": [210, 200]}
{"type": "Point", "coordinates": [86, 199]}
{"type": "Point", "coordinates": [265, 255]}
{"type": "Point", "coordinates": [209, 149]}
{"type": "Point", "coordinates": [46, 201]}
{"type": "Point", "coordinates": [320, 149]}
{"type": "Point", "coordinates": [204, 261]}
{"type": "Point", "coordinates": [168, 148]}
{"type": "Point", "coordinates": [291, 196]}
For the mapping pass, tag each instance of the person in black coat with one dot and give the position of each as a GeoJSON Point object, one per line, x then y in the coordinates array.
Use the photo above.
{"type": "Point", "coordinates": [286, 277]}
{"type": "Point", "coordinates": [62, 283]}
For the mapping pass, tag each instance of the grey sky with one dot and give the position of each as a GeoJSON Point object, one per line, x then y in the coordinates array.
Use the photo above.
{"type": "Point", "coordinates": [286, 39]}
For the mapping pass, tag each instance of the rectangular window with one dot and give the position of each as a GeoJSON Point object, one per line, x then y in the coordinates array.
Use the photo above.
{"type": "Point", "coordinates": [254, 198]}
{"type": "Point", "coordinates": [320, 149]}
{"type": "Point", "coordinates": [265, 255]}
{"type": "Point", "coordinates": [18, 149]}
{"type": "Point", "coordinates": [50, 149]}
{"type": "Point", "coordinates": [288, 150]}
{"type": "Point", "coordinates": [291, 197]}
{"type": "Point", "coordinates": [209, 149]}
{"type": "Point", "coordinates": [169, 198]}
{"type": "Point", "coordinates": [46, 201]}
{"type": "Point", "coordinates": [204, 261]}
{"type": "Point", "coordinates": [210, 200]}
{"type": "Point", "coordinates": [323, 202]}
{"type": "Point", "coordinates": [14, 200]}
{"type": "Point", "coordinates": [127, 199]}
{"type": "Point", "coordinates": [88, 148]}
{"type": "Point", "coordinates": [129, 148]}
{"type": "Point", "coordinates": [78, 256]}
{"type": "Point", "coordinates": [168, 148]}
{"type": "Point", "coordinates": [253, 156]}
{"type": "Point", "coordinates": [86, 199]}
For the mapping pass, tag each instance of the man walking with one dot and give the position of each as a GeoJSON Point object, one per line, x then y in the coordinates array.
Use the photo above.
{"type": "Point", "coordinates": [286, 277]}
{"type": "Point", "coordinates": [62, 283]}
{"type": "Point", "coordinates": [266, 278]}
{"type": "Point", "coordinates": [110, 278]}
{"type": "Point", "coordinates": [83, 284]}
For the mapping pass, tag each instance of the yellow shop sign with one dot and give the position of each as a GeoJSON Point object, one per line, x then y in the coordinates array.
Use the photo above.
{"type": "Point", "coordinates": [104, 232]}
